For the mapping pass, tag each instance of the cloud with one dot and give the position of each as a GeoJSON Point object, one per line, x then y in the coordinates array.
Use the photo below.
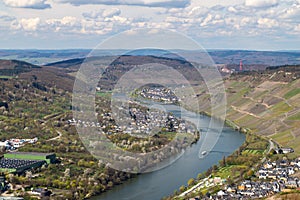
{"type": "Point", "coordinates": [108, 13]}
{"type": "Point", "coordinates": [267, 23]}
{"type": "Point", "coordinates": [7, 18]}
{"type": "Point", "coordinates": [234, 20]}
{"type": "Point", "coordinates": [261, 3]}
{"type": "Point", "coordinates": [91, 26]}
{"type": "Point", "coordinates": [65, 21]}
{"type": "Point", "coordinates": [65, 24]}
{"type": "Point", "coordinates": [232, 9]}
{"type": "Point", "coordinates": [148, 3]}
{"type": "Point", "coordinates": [5, 21]}
{"type": "Point", "coordinates": [206, 20]}
{"type": "Point", "coordinates": [292, 12]}
{"type": "Point", "coordinates": [33, 4]}
{"type": "Point", "coordinates": [111, 12]}
{"type": "Point", "coordinates": [30, 24]}
{"type": "Point", "coordinates": [198, 11]}
{"type": "Point", "coordinates": [297, 28]}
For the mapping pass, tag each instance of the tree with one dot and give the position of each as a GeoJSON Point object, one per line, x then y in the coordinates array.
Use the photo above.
{"type": "Point", "coordinates": [215, 168]}
{"type": "Point", "coordinates": [224, 161]}
{"type": "Point", "coordinates": [229, 181]}
{"type": "Point", "coordinates": [28, 175]}
{"type": "Point", "coordinates": [209, 171]}
{"type": "Point", "coordinates": [191, 182]}
{"type": "Point", "coordinates": [200, 176]}
{"type": "Point", "coordinates": [250, 173]}
{"type": "Point", "coordinates": [175, 192]}
{"type": "Point", "coordinates": [182, 188]}
{"type": "Point", "coordinates": [110, 184]}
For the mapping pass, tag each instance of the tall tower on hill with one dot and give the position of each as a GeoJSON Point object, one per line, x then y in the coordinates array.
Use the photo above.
{"type": "Point", "coordinates": [241, 65]}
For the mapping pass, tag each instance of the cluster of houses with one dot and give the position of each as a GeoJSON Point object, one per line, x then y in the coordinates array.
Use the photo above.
{"type": "Point", "coordinates": [138, 121]}
{"type": "Point", "coordinates": [248, 189]}
{"type": "Point", "coordinates": [145, 121]}
{"type": "Point", "coordinates": [13, 144]}
{"type": "Point", "coordinates": [83, 123]}
{"type": "Point", "coordinates": [281, 171]}
{"type": "Point", "coordinates": [159, 94]}
{"type": "Point", "coordinates": [273, 177]}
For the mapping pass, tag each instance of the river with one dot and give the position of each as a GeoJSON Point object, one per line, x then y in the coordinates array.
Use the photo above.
{"type": "Point", "coordinates": [157, 184]}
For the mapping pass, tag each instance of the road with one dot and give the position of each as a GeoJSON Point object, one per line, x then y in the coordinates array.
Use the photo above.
{"type": "Point", "coordinates": [57, 137]}
{"type": "Point", "coordinates": [271, 146]}
{"type": "Point", "coordinates": [193, 188]}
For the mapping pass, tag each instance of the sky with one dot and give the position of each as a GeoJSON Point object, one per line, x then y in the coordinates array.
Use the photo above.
{"type": "Point", "coordinates": [214, 24]}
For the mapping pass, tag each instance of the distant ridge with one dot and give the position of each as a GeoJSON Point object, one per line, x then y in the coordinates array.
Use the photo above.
{"type": "Point", "coordinates": [15, 67]}
{"type": "Point", "coordinates": [220, 56]}
{"type": "Point", "coordinates": [67, 63]}
{"type": "Point", "coordinates": [9, 64]}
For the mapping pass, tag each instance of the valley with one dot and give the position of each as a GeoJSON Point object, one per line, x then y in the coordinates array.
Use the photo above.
{"type": "Point", "coordinates": [36, 102]}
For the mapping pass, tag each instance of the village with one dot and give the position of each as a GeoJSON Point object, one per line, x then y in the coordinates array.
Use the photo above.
{"type": "Point", "coordinates": [160, 94]}
{"type": "Point", "coordinates": [271, 178]}
{"type": "Point", "coordinates": [138, 121]}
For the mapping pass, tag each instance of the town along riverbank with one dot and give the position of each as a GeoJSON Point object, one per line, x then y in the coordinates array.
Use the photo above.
{"type": "Point", "coordinates": [156, 185]}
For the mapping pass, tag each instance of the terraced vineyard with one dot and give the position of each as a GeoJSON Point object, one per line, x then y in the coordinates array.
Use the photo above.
{"type": "Point", "coordinates": [266, 103]}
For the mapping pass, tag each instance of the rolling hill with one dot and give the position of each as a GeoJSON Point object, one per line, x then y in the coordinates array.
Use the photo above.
{"type": "Point", "coordinates": [264, 102]}
{"type": "Point", "coordinates": [43, 75]}
{"type": "Point", "coordinates": [15, 67]}
{"type": "Point", "coordinates": [249, 57]}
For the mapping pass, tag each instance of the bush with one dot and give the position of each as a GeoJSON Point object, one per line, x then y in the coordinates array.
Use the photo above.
{"type": "Point", "coordinates": [191, 182]}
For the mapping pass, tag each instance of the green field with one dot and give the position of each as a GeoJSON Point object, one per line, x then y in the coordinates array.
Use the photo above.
{"type": "Point", "coordinates": [228, 171]}
{"type": "Point", "coordinates": [103, 94]}
{"type": "Point", "coordinates": [283, 138]}
{"type": "Point", "coordinates": [6, 77]}
{"type": "Point", "coordinates": [49, 158]}
{"type": "Point", "coordinates": [280, 108]}
{"type": "Point", "coordinates": [252, 151]}
{"type": "Point", "coordinates": [295, 117]}
{"type": "Point", "coordinates": [292, 93]}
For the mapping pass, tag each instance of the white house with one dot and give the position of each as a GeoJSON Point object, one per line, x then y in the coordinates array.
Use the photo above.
{"type": "Point", "coordinates": [222, 193]}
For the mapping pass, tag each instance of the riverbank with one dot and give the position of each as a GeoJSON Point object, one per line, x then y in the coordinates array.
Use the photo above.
{"type": "Point", "coordinates": [160, 183]}
{"type": "Point", "coordinates": [241, 153]}
{"type": "Point", "coordinates": [228, 168]}
{"type": "Point", "coordinates": [234, 168]}
{"type": "Point", "coordinates": [201, 186]}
